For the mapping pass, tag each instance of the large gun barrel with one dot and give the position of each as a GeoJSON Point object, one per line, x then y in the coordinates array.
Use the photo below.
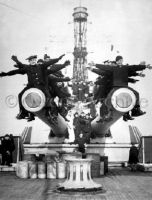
{"type": "Point", "coordinates": [118, 102]}
{"type": "Point", "coordinates": [34, 100]}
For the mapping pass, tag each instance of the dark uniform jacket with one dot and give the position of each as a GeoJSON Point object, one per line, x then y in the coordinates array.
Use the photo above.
{"type": "Point", "coordinates": [7, 145]}
{"type": "Point", "coordinates": [7, 149]}
{"type": "Point", "coordinates": [75, 88]}
{"type": "Point", "coordinates": [120, 73]}
{"type": "Point", "coordinates": [37, 74]}
{"type": "Point", "coordinates": [76, 121]}
{"type": "Point", "coordinates": [81, 144]}
{"type": "Point", "coordinates": [101, 72]}
{"type": "Point", "coordinates": [103, 83]}
{"type": "Point", "coordinates": [57, 87]}
{"type": "Point", "coordinates": [133, 155]}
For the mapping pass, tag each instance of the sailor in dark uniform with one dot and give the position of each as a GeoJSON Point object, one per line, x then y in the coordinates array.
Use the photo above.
{"type": "Point", "coordinates": [133, 157]}
{"type": "Point", "coordinates": [120, 75]}
{"type": "Point", "coordinates": [81, 96]}
{"type": "Point", "coordinates": [88, 128]}
{"type": "Point", "coordinates": [57, 87]}
{"type": "Point", "coordinates": [37, 77]}
{"type": "Point", "coordinates": [103, 84]}
{"type": "Point", "coordinates": [56, 81]}
{"type": "Point", "coordinates": [75, 89]}
{"type": "Point", "coordinates": [7, 149]}
{"type": "Point", "coordinates": [76, 125]}
{"type": "Point", "coordinates": [81, 141]}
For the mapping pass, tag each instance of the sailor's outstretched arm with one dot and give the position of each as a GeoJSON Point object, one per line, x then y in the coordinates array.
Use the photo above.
{"type": "Point", "coordinates": [102, 80]}
{"type": "Point", "coordinates": [58, 67]}
{"type": "Point", "coordinates": [58, 79]}
{"type": "Point", "coordinates": [99, 72]}
{"type": "Point", "coordinates": [132, 80]}
{"type": "Point", "coordinates": [134, 73]}
{"type": "Point", "coordinates": [101, 66]}
{"type": "Point", "coordinates": [52, 61]}
{"type": "Point", "coordinates": [13, 72]}
{"type": "Point", "coordinates": [104, 67]}
{"type": "Point", "coordinates": [18, 63]}
{"type": "Point", "coordinates": [138, 67]}
{"type": "Point", "coordinates": [141, 74]}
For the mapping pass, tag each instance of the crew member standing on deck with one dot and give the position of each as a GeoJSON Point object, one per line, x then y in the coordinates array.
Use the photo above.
{"type": "Point", "coordinates": [7, 148]}
{"type": "Point", "coordinates": [133, 157]}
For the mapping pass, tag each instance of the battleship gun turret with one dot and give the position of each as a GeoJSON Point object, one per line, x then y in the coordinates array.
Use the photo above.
{"type": "Point", "coordinates": [118, 99]}
{"type": "Point", "coordinates": [34, 100]}
{"type": "Point", "coordinates": [118, 102]}
{"type": "Point", "coordinates": [36, 97]}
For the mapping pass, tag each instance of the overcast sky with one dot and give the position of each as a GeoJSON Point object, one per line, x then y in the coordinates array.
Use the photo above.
{"type": "Point", "coordinates": [42, 26]}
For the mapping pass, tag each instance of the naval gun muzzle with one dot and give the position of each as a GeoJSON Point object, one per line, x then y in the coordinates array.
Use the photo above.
{"type": "Point", "coordinates": [118, 102]}
{"type": "Point", "coordinates": [34, 100]}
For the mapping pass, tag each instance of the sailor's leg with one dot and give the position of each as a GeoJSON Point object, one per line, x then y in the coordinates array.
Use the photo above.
{"type": "Point", "coordinates": [136, 111]}
{"type": "Point", "coordinates": [22, 112]}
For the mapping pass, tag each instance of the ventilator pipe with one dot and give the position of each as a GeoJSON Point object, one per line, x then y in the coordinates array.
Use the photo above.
{"type": "Point", "coordinates": [118, 101]}
{"type": "Point", "coordinates": [34, 100]}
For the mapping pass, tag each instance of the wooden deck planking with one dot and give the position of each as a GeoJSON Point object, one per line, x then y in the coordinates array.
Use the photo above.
{"type": "Point", "coordinates": [120, 184]}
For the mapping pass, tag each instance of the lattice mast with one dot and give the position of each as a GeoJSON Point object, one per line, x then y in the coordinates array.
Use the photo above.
{"type": "Point", "coordinates": [80, 41]}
